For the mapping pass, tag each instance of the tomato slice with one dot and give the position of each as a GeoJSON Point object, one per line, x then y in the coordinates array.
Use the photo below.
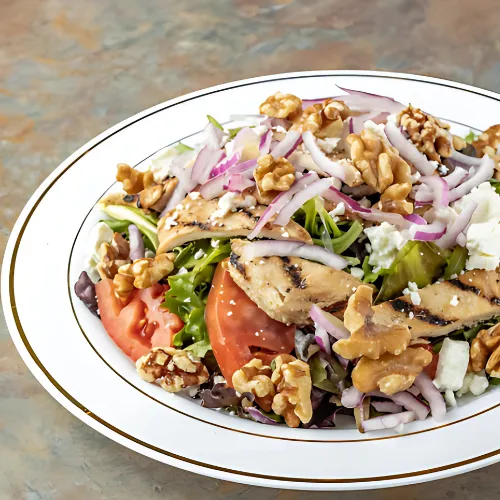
{"type": "Point", "coordinates": [431, 368]}
{"type": "Point", "coordinates": [141, 324]}
{"type": "Point", "coordinates": [239, 331]}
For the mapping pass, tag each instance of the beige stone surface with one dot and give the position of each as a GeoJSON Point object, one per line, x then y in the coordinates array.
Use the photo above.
{"type": "Point", "coordinates": [69, 69]}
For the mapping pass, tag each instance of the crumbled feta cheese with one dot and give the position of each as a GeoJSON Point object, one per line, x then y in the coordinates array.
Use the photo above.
{"type": "Point", "coordinates": [454, 301]}
{"type": "Point", "coordinates": [411, 315]}
{"type": "Point", "coordinates": [260, 130]}
{"type": "Point", "coordinates": [99, 234]}
{"type": "Point", "coordinates": [199, 254]}
{"type": "Point", "coordinates": [230, 313]}
{"type": "Point", "coordinates": [338, 210]}
{"type": "Point", "coordinates": [412, 286]}
{"type": "Point", "coordinates": [476, 383]}
{"type": "Point", "coordinates": [442, 169]}
{"type": "Point", "coordinates": [415, 177]}
{"type": "Point", "coordinates": [386, 241]}
{"type": "Point", "coordinates": [285, 234]}
{"type": "Point", "coordinates": [230, 202]}
{"type": "Point", "coordinates": [449, 397]}
{"type": "Point", "coordinates": [182, 270]}
{"type": "Point", "coordinates": [415, 298]}
{"type": "Point", "coordinates": [454, 276]}
{"type": "Point", "coordinates": [188, 299]}
{"type": "Point", "coordinates": [368, 247]}
{"type": "Point", "coordinates": [483, 247]}
{"type": "Point", "coordinates": [232, 302]}
{"type": "Point", "coordinates": [488, 204]}
{"type": "Point", "coordinates": [214, 243]}
{"type": "Point", "coordinates": [328, 144]}
{"type": "Point", "coordinates": [170, 221]}
{"type": "Point", "coordinates": [161, 164]}
{"type": "Point", "coordinates": [452, 364]}
{"type": "Point", "coordinates": [357, 272]}
{"type": "Point", "coordinates": [195, 195]}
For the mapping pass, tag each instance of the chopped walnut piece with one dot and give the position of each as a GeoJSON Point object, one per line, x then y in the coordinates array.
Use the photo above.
{"type": "Point", "coordinates": [146, 272]}
{"type": "Point", "coordinates": [254, 377]}
{"type": "Point", "coordinates": [293, 385]}
{"type": "Point", "coordinates": [483, 348]}
{"type": "Point", "coordinates": [367, 337]}
{"type": "Point", "coordinates": [390, 373]}
{"type": "Point", "coordinates": [123, 286]}
{"type": "Point", "coordinates": [383, 169]}
{"type": "Point", "coordinates": [427, 132]}
{"type": "Point", "coordinates": [112, 256]}
{"type": "Point", "coordinates": [132, 180]}
{"type": "Point", "coordinates": [282, 106]}
{"type": "Point", "coordinates": [488, 143]}
{"type": "Point", "coordinates": [326, 119]}
{"type": "Point", "coordinates": [273, 175]}
{"type": "Point", "coordinates": [174, 369]}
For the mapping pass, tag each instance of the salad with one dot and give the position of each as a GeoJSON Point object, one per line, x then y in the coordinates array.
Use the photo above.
{"type": "Point", "coordinates": [322, 261]}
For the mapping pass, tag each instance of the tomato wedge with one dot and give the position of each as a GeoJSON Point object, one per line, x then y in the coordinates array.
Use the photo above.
{"type": "Point", "coordinates": [239, 331]}
{"type": "Point", "coordinates": [431, 368]}
{"type": "Point", "coordinates": [141, 324]}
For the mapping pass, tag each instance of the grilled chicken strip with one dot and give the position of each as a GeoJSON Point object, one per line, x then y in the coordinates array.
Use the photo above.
{"type": "Point", "coordinates": [286, 287]}
{"type": "Point", "coordinates": [192, 222]}
{"type": "Point", "coordinates": [478, 295]}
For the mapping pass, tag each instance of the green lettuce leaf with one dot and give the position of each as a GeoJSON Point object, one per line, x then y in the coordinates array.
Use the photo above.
{"type": "Point", "coordinates": [213, 121]}
{"type": "Point", "coordinates": [121, 226]}
{"type": "Point", "coordinates": [470, 137]}
{"type": "Point", "coordinates": [326, 377]}
{"type": "Point", "coordinates": [418, 261]}
{"type": "Point", "coordinates": [182, 148]}
{"type": "Point", "coordinates": [456, 262]}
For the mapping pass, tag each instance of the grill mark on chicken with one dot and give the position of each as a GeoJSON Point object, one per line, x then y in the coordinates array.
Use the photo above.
{"type": "Point", "coordinates": [235, 261]}
{"type": "Point", "coordinates": [404, 307]}
{"type": "Point", "coordinates": [204, 227]}
{"type": "Point", "coordinates": [338, 307]}
{"type": "Point", "coordinates": [464, 287]}
{"type": "Point", "coordinates": [294, 272]}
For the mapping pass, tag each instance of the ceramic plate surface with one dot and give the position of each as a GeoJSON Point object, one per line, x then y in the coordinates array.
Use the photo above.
{"type": "Point", "coordinates": [73, 358]}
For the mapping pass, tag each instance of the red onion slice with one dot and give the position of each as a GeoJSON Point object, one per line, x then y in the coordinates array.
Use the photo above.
{"type": "Point", "coordinates": [408, 150]}
{"type": "Point", "coordinates": [469, 161]}
{"type": "Point", "coordinates": [238, 183]}
{"type": "Point", "coordinates": [456, 177]}
{"type": "Point", "coordinates": [224, 165]}
{"type": "Point", "coordinates": [333, 168]}
{"type": "Point", "coordinates": [387, 407]}
{"type": "Point", "coordinates": [288, 145]}
{"type": "Point", "coordinates": [137, 250]}
{"type": "Point", "coordinates": [337, 196]}
{"type": "Point", "coordinates": [322, 339]}
{"type": "Point", "coordinates": [280, 201]}
{"type": "Point", "coordinates": [334, 326]}
{"type": "Point", "coordinates": [440, 191]}
{"type": "Point", "coordinates": [356, 123]}
{"type": "Point", "coordinates": [370, 101]}
{"type": "Point", "coordinates": [315, 189]}
{"type": "Point", "coordinates": [258, 416]}
{"type": "Point", "coordinates": [458, 225]}
{"type": "Point", "coordinates": [388, 421]}
{"type": "Point", "coordinates": [408, 400]}
{"type": "Point", "coordinates": [462, 240]}
{"type": "Point", "coordinates": [265, 142]}
{"type": "Point", "coordinates": [351, 397]}
{"type": "Point", "coordinates": [413, 390]}
{"type": "Point", "coordinates": [213, 135]}
{"type": "Point", "coordinates": [433, 396]}
{"type": "Point", "coordinates": [483, 173]}
{"type": "Point", "coordinates": [431, 232]}
{"type": "Point", "coordinates": [205, 161]}
{"type": "Point", "coordinates": [415, 219]}
{"type": "Point", "coordinates": [268, 248]}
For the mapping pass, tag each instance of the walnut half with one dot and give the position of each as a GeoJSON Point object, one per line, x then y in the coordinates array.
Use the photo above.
{"type": "Point", "coordinates": [174, 369]}
{"type": "Point", "coordinates": [112, 256]}
{"type": "Point", "coordinates": [273, 175]}
{"type": "Point", "coordinates": [254, 377]}
{"type": "Point", "coordinates": [326, 119]}
{"type": "Point", "coordinates": [282, 106]}
{"type": "Point", "coordinates": [144, 273]}
{"type": "Point", "coordinates": [390, 373]}
{"type": "Point", "coordinates": [293, 385]}
{"type": "Point", "coordinates": [485, 351]}
{"type": "Point", "coordinates": [367, 337]}
{"type": "Point", "coordinates": [133, 181]}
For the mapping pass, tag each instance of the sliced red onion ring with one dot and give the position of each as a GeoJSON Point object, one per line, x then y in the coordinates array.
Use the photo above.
{"type": "Point", "coordinates": [288, 145]}
{"type": "Point", "coordinates": [224, 165]}
{"type": "Point", "coordinates": [214, 136]}
{"type": "Point", "coordinates": [408, 150]}
{"type": "Point", "coordinates": [351, 397]}
{"type": "Point", "coordinates": [440, 191]}
{"type": "Point", "coordinates": [333, 168]}
{"type": "Point", "coordinates": [433, 396]}
{"type": "Point", "coordinates": [267, 248]}
{"type": "Point", "coordinates": [311, 102]}
{"type": "Point", "coordinates": [137, 250]}
{"type": "Point", "coordinates": [265, 142]}
{"type": "Point", "coordinates": [245, 138]}
{"type": "Point", "coordinates": [205, 161]}
{"type": "Point", "coordinates": [370, 101]}
{"type": "Point", "coordinates": [334, 326]}
{"type": "Point", "coordinates": [322, 339]}
{"type": "Point", "coordinates": [469, 161]}
{"type": "Point", "coordinates": [315, 189]}
{"type": "Point", "coordinates": [258, 416]}
{"type": "Point", "coordinates": [456, 177]}
{"type": "Point", "coordinates": [413, 390]}
{"type": "Point", "coordinates": [238, 183]}
{"type": "Point", "coordinates": [388, 421]}
{"type": "Point", "coordinates": [408, 400]}
{"type": "Point", "coordinates": [357, 123]}
{"type": "Point", "coordinates": [462, 240]}
{"type": "Point", "coordinates": [415, 219]}
{"type": "Point", "coordinates": [431, 232]}
{"type": "Point", "coordinates": [337, 196]}
{"type": "Point", "coordinates": [281, 200]}
{"type": "Point", "coordinates": [483, 173]}
{"type": "Point", "coordinates": [387, 407]}
{"type": "Point", "coordinates": [458, 226]}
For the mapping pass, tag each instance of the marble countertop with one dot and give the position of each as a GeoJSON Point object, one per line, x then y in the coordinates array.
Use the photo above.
{"type": "Point", "coordinates": [71, 69]}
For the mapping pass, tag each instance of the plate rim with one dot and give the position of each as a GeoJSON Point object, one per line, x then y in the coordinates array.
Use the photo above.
{"type": "Point", "coordinates": [58, 392]}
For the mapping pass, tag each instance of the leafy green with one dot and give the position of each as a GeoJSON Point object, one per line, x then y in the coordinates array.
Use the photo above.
{"type": "Point", "coordinates": [213, 121]}
{"type": "Point", "coordinates": [494, 381]}
{"type": "Point", "coordinates": [188, 292]}
{"type": "Point", "coordinates": [495, 185]}
{"type": "Point", "coordinates": [370, 276]}
{"type": "Point", "coordinates": [326, 375]}
{"type": "Point", "coordinates": [470, 137]}
{"type": "Point", "coordinates": [342, 243]}
{"type": "Point", "coordinates": [418, 261]}
{"type": "Point", "coordinates": [270, 414]}
{"type": "Point", "coordinates": [182, 148]}
{"type": "Point", "coordinates": [456, 262]}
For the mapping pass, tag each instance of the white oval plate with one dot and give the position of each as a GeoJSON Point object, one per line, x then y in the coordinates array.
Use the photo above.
{"type": "Point", "coordinates": [69, 352]}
